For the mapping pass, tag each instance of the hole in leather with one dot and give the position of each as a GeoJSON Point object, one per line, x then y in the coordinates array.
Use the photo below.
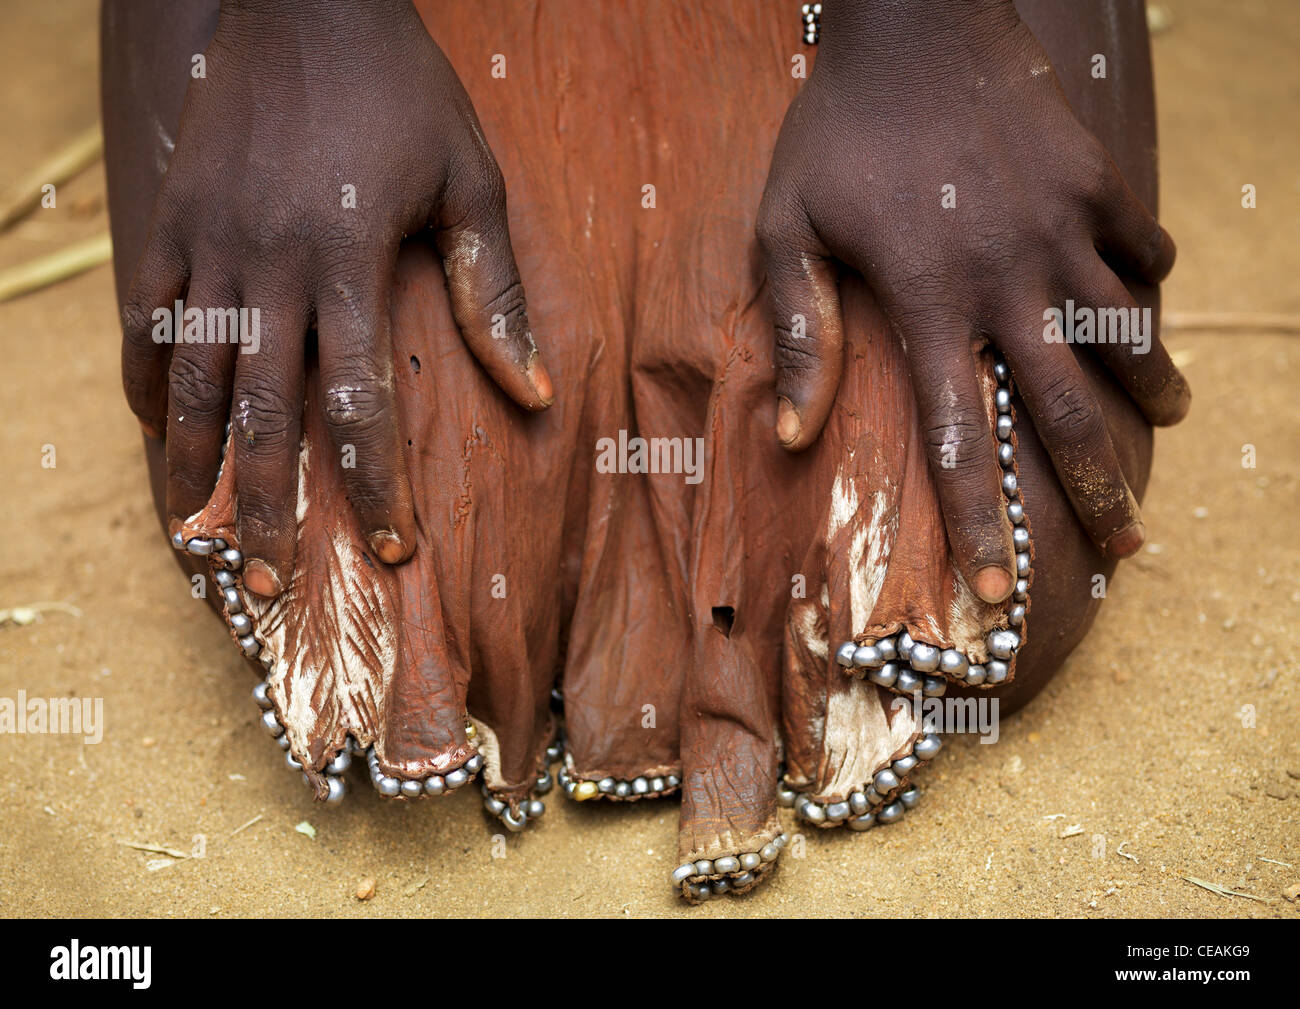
{"type": "Point", "coordinates": [723, 619]}
{"type": "Point", "coordinates": [415, 364]}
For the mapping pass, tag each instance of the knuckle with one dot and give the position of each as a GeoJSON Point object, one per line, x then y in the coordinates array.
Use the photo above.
{"type": "Point", "coordinates": [1070, 413]}
{"type": "Point", "coordinates": [355, 409]}
{"type": "Point", "coordinates": [509, 303]}
{"type": "Point", "coordinates": [137, 317]}
{"type": "Point", "coordinates": [194, 392]}
{"type": "Point", "coordinates": [265, 417]}
{"type": "Point", "coordinates": [958, 445]}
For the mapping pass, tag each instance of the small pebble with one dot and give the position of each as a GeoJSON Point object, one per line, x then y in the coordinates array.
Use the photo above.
{"type": "Point", "coordinates": [366, 888]}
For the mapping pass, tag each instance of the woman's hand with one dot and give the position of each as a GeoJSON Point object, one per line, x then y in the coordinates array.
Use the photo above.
{"type": "Point", "coordinates": [907, 99]}
{"type": "Point", "coordinates": [323, 133]}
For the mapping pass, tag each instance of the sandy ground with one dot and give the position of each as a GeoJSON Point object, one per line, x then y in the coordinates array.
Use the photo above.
{"type": "Point", "coordinates": [1139, 743]}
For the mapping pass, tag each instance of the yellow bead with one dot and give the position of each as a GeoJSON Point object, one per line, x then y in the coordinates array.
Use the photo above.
{"type": "Point", "coordinates": [585, 790]}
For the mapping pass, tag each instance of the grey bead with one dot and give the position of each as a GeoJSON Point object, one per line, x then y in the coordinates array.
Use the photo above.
{"type": "Point", "coordinates": [781, 840]}
{"type": "Point", "coordinates": [1022, 590]}
{"type": "Point", "coordinates": [682, 873]}
{"type": "Point", "coordinates": [389, 786]}
{"type": "Point", "coordinates": [864, 822]}
{"type": "Point", "coordinates": [178, 540]}
{"type": "Point", "coordinates": [750, 861]}
{"type": "Point", "coordinates": [907, 681]}
{"type": "Point", "coordinates": [720, 886]}
{"type": "Point", "coordinates": [769, 852]}
{"type": "Point", "coordinates": [544, 783]}
{"type": "Point", "coordinates": [952, 662]}
{"type": "Point", "coordinates": [606, 786]}
{"type": "Point", "coordinates": [1002, 401]}
{"type": "Point", "coordinates": [223, 578]}
{"type": "Point", "coordinates": [282, 741]}
{"type": "Point", "coordinates": [891, 813]}
{"type": "Point", "coordinates": [250, 646]}
{"type": "Point", "coordinates": [640, 786]}
{"type": "Point", "coordinates": [535, 808]}
{"type": "Point", "coordinates": [888, 649]}
{"type": "Point", "coordinates": [656, 784]}
{"type": "Point", "coordinates": [837, 811]}
{"type": "Point", "coordinates": [909, 797]}
{"type": "Point", "coordinates": [456, 778]}
{"type": "Point", "coordinates": [240, 624]}
{"type": "Point", "coordinates": [785, 797]}
{"type": "Point", "coordinates": [218, 544]}
{"type": "Point", "coordinates": [1016, 615]}
{"type": "Point", "coordinates": [927, 746]}
{"type": "Point", "coordinates": [903, 644]}
{"type": "Point", "coordinates": [858, 803]}
{"type": "Point", "coordinates": [1006, 455]}
{"type": "Point", "coordinates": [1003, 644]}
{"type": "Point", "coordinates": [340, 763]}
{"type": "Point", "coordinates": [554, 753]}
{"type": "Point", "coordinates": [701, 892]}
{"type": "Point", "coordinates": [1010, 485]}
{"type": "Point", "coordinates": [935, 686]}
{"type": "Point", "coordinates": [233, 558]}
{"type": "Point", "coordinates": [434, 785]}
{"type": "Point", "coordinates": [337, 789]}
{"type": "Point", "coordinates": [924, 658]}
{"type": "Point", "coordinates": [743, 880]}
{"type": "Point", "coordinates": [672, 781]}
{"type": "Point", "coordinates": [1022, 565]}
{"type": "Point", "coordinates": [271, 724]}
{"type": "Point", "coordinates": [995, 671]}
{"type": "Point", "coordinates": [514, 822]}
{"type": "Point", "coordinates": [294, 763]}
{"type": "Point", "coordinates": [885, 781]}
{"type": "Point", "coordinates": [1015, 512]}
{"type": "Point", "coordinates": [1004, 427]}
{"type": "Point", "coordinates": [1001, 372]}
{"type": "Point", "coordinates": [904, 765]}
{"type": "Point", "coordinates": [886, 675]}
{"type": "Point", "coordinates": [868, 657]}
{"type": "Point", "coordinates": [199, 545]}
{"type": "Point", "coordinates": [813, 812]}
{"type": "Point", "coordinates": [493, 805]}
{"type": "Point", "coordinates": [1020, 538]}
{"type": "Point", "coordinates": [704, 867]}
{"type": "Point", "coordinates": [267, 659]}
{"type": "Point", "coordinates": [844, 654]}
{"type": "Point", "coordinates": [261, 697]}
{"type": "Point", "coordinates": [874, 798]}
{"type": "Point", "coordinates": [623, 789]}
{"type": "Point", "coordinates": [411, 789]}
{"type": "Point", "coordinates": [474, 764]}
{"type": "Point", "coordinates": [975, 675]}
{"type": "Point", "coordinates": [726, 864]}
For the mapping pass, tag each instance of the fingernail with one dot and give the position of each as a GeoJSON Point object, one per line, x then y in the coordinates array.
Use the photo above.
{"type": "Point", "coordinates": [388, 546]}
{"type": "Point", "coordinates": [1127, 541]}
{"type": "Point", "coordinates": [541, 379]}
{"type": "Point", "coordinates": [993, 583]}
{"type": "Point", "coordinates": [174, 525]}
{"type": "Point", "coordinates": [260, 579]}
{"type": "Point", "coordinates": [150, 430]}
{"type": "Point", "coordinates": [788, 424]}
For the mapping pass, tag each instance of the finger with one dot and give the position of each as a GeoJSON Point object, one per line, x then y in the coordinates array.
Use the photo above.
{"type": "Point", "coordinates": [360, 407]}
{"type": "Point", "coordinates": [809, 326]}
{"type": "Point", "coordinates": [963, 457]}
{"type": "Point", "coordinates": [266, 430]}
{"type": "Point", "coordinates": [158, 283]}
{"type": "Point", "coordinates": [487, 296]}
{"type": "Point", "coordinates": [1129, 236]}
{"type": "Point", "coordinates": [1128, 345]}
{"type": "Point", "coordinates": [199, 399]}
{"type": "Point", "coordinates": [1070, 424]}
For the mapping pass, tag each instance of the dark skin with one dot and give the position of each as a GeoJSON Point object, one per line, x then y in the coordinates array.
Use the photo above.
{"type": "Point", "coordinates": [249, 214]}
{"type": "Point", "coordinates": [252, 212]}
{"type": "Point", "coordinates": [905, 98]}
